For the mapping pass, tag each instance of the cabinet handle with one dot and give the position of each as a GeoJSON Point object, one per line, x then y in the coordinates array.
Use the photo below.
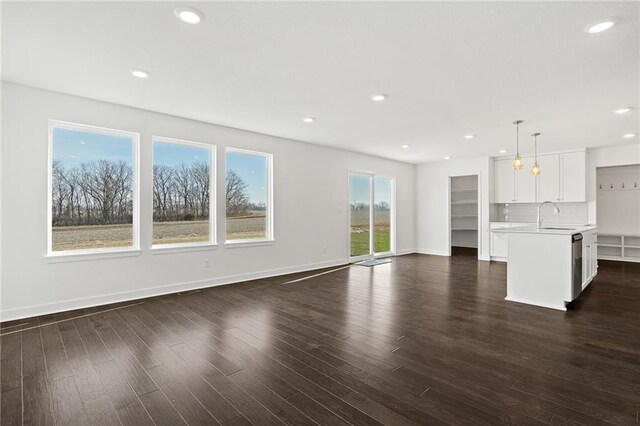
{"type": "Point", "coordinates": [611, 186]}
{"type": "Point", "coordinates": [600, 186]}
{"type": "Point", "coordinates": [622, 185]}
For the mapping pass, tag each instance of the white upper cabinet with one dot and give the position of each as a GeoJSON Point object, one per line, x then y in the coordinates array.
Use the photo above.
{"type": "Point", "coordinates": [549, 179]}
{"type": "Point", "coordinates": [573, 177]}
{"type": "Point", "coordinates": [525, 183]}
{"type": "Point", "coordinates": [503, 182]}
{"type": "Point", "coordinates": [562, 178]}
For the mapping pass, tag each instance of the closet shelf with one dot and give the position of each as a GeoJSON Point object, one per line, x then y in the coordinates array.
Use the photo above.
{"type": "Point", "coordinates": [464, 190]}
{"type": "Point", "coordinates": [464, 229]}
{"type": "Point", "coordinates": [464, 202]}
{"type": "Point", "coordinates": [454, 216]}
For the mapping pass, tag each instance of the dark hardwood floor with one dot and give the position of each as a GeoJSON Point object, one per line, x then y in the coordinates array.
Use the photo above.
{"type": "Point", "coordinates": [423, 340]}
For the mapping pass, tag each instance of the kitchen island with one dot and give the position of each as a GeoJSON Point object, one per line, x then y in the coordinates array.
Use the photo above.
{"type": "Point", "coordinates": [550, 266]}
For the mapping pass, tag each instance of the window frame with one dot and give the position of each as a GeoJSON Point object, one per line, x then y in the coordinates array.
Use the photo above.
{"type": "Point", "coordinates": [392, 217]}
{"type": "Point", "coordinates": [212, 242]}
{"type": "Point", "coordinates": [270, 238]}
{"type": "Point", "coordinates": [134, 249]}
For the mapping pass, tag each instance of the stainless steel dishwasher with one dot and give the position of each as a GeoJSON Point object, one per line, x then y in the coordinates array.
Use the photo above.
{"type": "Point", "coordinates": [576, 265]}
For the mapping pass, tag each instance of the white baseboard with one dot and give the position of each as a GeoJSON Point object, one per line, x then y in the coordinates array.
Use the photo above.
{"type": "Point", "coordinates": [405, 251]}
{"type": "Point", "coordinates": [432, 252]}
{"type": "Point", "coordinates": [87, 302]}
{"type": "Point", "coordinates": [529, 302]}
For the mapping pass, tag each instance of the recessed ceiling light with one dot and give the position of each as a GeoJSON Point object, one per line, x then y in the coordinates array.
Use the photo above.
{"type": "Point", "coordinates": [600, 26]}
{"type": "Point", "coordinates": [189, 15]}
{"type": "Point", "coordinates": [622, 110]}
{"type": "Point", "coordinates": [380, 97]}
{"type": "Point", "coordinates": [308, 119]}
{"type": "Point", "coordinates": [140, 73]}
{"type": "Point", "coordinates": [405, 146]}
{"type": "Point", "coordinates": [629, 135]}
{"type": "Point", "coordinates": [448, 157]}
{"type": "Point", "coordinates": [469, 136]}
{"type": "Point", "coordinates": [504, 151]}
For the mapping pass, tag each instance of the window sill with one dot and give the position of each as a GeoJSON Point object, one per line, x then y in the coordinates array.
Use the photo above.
{"type": "Point", "coordinates": [62, 257]}
{"type": "Point", "coordinates": [248, 243]}
{"type": "Point", "coordinates": [181, 248]}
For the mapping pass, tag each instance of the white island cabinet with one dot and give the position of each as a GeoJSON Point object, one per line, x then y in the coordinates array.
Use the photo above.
{"type": "Point", "coordinates": [545, 267]}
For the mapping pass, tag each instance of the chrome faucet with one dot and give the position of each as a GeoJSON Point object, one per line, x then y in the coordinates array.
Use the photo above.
{"type": "Point", "coordinates": [556, 210]}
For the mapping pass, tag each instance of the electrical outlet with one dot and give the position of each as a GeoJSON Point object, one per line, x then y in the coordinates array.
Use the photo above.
{"type": "Point", "coordinates": [207, 263]}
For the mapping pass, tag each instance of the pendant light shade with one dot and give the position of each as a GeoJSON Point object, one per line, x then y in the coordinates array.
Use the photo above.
{"type": "Point", "coordinates": [535, 170]}
{"type": "Point", "coordinates": [517, 162]}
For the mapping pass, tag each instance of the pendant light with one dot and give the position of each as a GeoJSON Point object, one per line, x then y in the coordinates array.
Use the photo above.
{"type": "Point", "coordinates": [535, 170]}
{"type": "Point", "coordinates": [517, 162]}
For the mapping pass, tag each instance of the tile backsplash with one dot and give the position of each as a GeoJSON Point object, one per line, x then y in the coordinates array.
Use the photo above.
{"type": "Point", "coordinates": [570, 213]}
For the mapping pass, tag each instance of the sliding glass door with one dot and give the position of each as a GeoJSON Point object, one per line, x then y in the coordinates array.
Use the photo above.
{"type": "Point", "coordinates": [371, 215]}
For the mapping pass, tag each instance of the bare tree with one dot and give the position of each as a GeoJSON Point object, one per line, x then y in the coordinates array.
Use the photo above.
{"type": "Point", "coordinates": [201, 181]}
{"type": "Point", "coordinates": [162, 187]}
{"type": "Point", "coordinates": [101, 192]}
{"type": "Point", "coordinates": [236, 194]}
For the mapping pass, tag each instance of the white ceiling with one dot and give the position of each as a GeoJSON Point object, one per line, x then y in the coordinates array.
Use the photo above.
{"type": "Point", "coordinates": [449, 68]}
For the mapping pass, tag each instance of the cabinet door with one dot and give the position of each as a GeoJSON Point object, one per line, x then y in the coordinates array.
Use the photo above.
{"type": "Point", "coordinates": [549, 179]}
{"type": "Point", "coordinates": [573, 177]}
{"type": "Point", "coordinates": [503, 182]}
{"type": "Point", "coordinates": [594, 257]}
{"type": "Point", "coordinates": [525, 184]}
{"type": "Point", "coordinates": [586, 259]}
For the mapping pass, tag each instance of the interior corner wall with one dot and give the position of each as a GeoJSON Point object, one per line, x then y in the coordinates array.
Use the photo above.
{"type": "Point", "coordinates": [310, 204]}
{"type": "Point", "coordinates": [621, 155]}
{"type": "Point", "coordinates": [432, 203]}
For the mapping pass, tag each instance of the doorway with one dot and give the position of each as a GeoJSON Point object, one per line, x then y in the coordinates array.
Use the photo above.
{"type": "Point", "coordinates": [463, 212]}
{"type": "Point", "coordinates": [371, 216]}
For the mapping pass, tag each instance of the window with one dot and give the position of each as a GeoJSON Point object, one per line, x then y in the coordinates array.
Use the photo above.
{"type": "Point", "coordinates": [93, 196]}
{"type": "Point", "coordinates": [248, 196]}
{"type": "Point", "coordinates": [183, 193]}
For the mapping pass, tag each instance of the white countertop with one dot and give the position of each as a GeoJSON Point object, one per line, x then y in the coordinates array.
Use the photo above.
{"type": "Point", "coordinates": [547, 229]}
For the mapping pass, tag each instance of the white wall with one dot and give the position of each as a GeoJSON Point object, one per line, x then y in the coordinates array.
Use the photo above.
{"type": "Point", "coordinates": [432, 203]}
{"type": "Point", "coordinates": [310, 203]}
{"type": "Point", "coordinates": [621, 155]}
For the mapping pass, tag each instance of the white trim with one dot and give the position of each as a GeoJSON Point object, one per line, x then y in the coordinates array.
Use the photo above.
{"type": "Point", "coordinates": [555, 307]}
{"type": "Point", "coordinates": [568, 151]}
{"type": "Point", "coordinates": [181, 248]}
{"type": "Point", "coordinates": [248, 243]}
{"type": "Point", "coordinates": [432, 252]}
{"type": "Point", "coordinates": [405, 252]}
{"type": "Point", "coordinates": [135, 165]}
{"type": "Point", "coordinates": [213, 151]}
{"type": "Point", "coordinates": [67, 305]}
{"type": "Point", "coordinates": [77, 256]}
{"type": "Point", "coordinates": [269, 199]}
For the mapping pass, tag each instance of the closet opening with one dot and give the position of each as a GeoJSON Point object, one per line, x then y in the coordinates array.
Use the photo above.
{"type": "Point", "coordinates": [463, 212]}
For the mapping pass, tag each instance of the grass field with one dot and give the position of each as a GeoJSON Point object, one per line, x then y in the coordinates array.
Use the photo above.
{"type": "Point", "coordinates": [360, 232]}
{"type": "Point", "coordinates": [245, 227]}
{"type": "Point", "coordinates": [105, 236]}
